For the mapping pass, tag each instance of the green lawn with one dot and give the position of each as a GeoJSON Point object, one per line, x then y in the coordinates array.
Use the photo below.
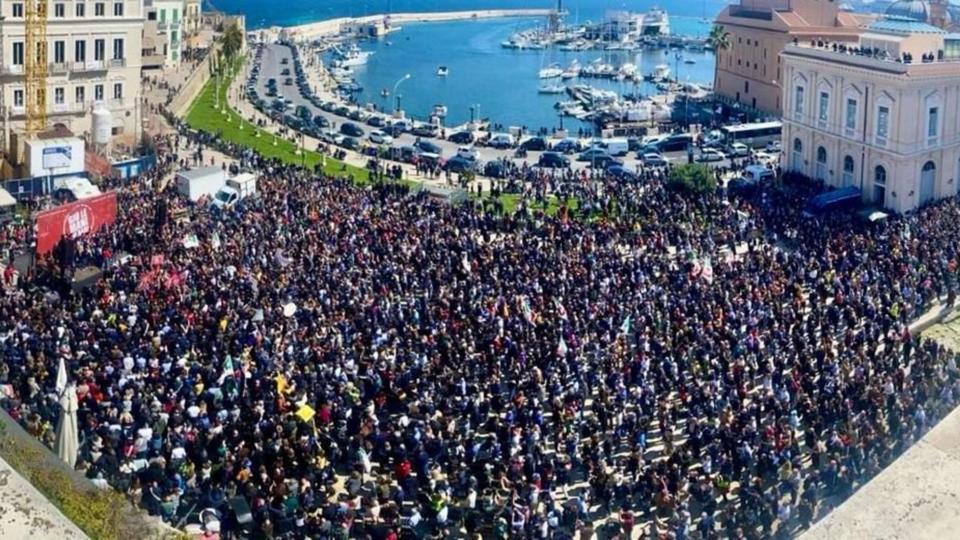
{"type": "Point", "coordinates": [203, 115]}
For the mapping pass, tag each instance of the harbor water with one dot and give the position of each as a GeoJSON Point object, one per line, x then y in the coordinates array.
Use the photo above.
{"type": "Point", "coordinates": [496, 83]}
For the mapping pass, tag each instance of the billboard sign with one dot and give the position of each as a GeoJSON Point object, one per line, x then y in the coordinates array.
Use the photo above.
{"type": "Point", "coordinates": [56, 157]}
{"type": "Point", "coordinates": [74, 220]}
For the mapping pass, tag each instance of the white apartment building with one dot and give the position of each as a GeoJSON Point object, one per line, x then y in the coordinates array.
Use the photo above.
{"type": "Point", "coordinates": [170, 23]}
{"type": "Point", "coordinates": [191, 17]}
{"type": "Point", "coordinates": [93, 50]}
{"type": "Point", "coordinates": [882, 114]}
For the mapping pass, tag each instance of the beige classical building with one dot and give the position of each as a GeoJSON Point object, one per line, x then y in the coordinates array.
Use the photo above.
{"type": "Point", "coordinates": [94, 50]}
{"type": "Point", "coordinates": [883, 116]}
{"type": "Point", "coordinates": [750, 72]}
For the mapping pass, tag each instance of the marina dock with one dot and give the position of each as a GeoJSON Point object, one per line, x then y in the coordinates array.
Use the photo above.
{"type": "Point", "coordinates": [333, 26]}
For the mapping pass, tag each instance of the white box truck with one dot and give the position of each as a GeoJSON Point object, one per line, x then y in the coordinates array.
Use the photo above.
{"type": "Point", "coordinates": [196, 184]}
{"type": "Point", "coordinates": [237, 188]}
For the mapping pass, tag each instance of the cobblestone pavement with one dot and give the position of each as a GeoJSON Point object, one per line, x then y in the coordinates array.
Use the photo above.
{"type": "Point", "coordinates": [946, 332]}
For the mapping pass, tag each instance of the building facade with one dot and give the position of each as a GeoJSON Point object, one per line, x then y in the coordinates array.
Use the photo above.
{"type": "Point", "coordinates": [750, 72]}
{"type": "Point", "coordinates": [94, 53]}
{"type": "Point", "coordinates": [191, 17]}
{"type": "Point", "coordinates": [170, 23]}
{"type": "Point", "coordinates": [883, 116]}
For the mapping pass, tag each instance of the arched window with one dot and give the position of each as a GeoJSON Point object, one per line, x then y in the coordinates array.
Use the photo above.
{"type": "Point", "coordinates": [848, 166]}
{"type": "Point", "coordinates": [879, 185]}
{"type": "Point", "coordinates": [797, 155]}
{"type": "Point", "coordinates": [821, 164]}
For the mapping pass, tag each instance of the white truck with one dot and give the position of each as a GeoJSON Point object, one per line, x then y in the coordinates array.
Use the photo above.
{"type": "Point", "coordinates": [196, 184]}
{"type": "Point", "coordinates": [74, 188]}
{"type": "Point", "coordinates": [237, 188]}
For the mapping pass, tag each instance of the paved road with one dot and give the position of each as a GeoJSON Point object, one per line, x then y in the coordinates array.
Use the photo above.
{"type": "Point", "coordinates": [272, 65]}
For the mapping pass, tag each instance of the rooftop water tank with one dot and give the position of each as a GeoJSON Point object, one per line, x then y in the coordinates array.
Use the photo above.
{"type": "Point", "coordinates": [102, 126]}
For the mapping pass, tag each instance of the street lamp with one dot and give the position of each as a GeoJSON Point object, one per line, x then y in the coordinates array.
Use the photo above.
{"type": "Point", "coordinates": [676, 68]}
{"type": "Point", "coordinates": [395, 86]}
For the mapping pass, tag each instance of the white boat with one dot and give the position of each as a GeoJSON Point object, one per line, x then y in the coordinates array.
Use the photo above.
{"type": "Point", "coordinates": [353, 56]}
{"type": "Point", "coordinates": [442, 71]}
{"type": "Point", "coordinates": [552, 89]}
{"type": "Point", "coordinates": [551, 72]}
{"type": "Point", "coordinates": [660, 73]}
{"type": "Point", "coordinates": [572, 71]}
{"type": "Point", "coordinates": [440, 110]}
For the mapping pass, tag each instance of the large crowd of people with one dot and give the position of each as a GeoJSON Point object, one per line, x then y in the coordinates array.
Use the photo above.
{"type": "Point", "coordinates": [368, 362]}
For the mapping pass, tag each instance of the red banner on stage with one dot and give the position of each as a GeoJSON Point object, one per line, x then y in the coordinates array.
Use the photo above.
{"type": "Point", "coordinates": [74, 220]}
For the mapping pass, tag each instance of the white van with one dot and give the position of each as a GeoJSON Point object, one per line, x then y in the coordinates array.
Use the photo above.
{"type": "Point", "coordinates": [237, 188]}
{"type": "Point", "coordinates": [615, 147]}
{"type": "Point", "coordinates": [757, 174]}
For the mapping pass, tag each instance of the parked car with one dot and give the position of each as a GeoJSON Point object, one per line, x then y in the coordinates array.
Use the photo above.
{"type": "Point", "coordinates": [593, 154]}
{"type": "Point", "coordinates": [653, 159]}
{"type": "Point", "coordinates": [710, 154]}
{"type": "Point", "coordinates": [468, 152]}
{"type": "Point", "coordinates": [351, 130]}
{"type": "Point", "coordinates": [535, 144]}
{"type": "Point", "coordinates": [376, 121]}
{"type": "Point", "coordinates": [429, 147]}
{"type": "Point", "coordinates": [677, 142]}
{"type": "Point", "coordinates": [402, 125]}
{"type": "Point", "coordinates": [567, 146]}
{"type": "Point", "coordinates": [425, 130]}
{"type": "Point", "coordinates": [496, 169]}
{"type": "Point", "coordinates": [379, 137]}
{"type": "Point", "coordinates": [321, 121]}
{"type": "Point", "coordinates": [460, 164]}
{"type": "Point", "coordinates": [304, 112]}
{"type": "Point", "coordinates": [739, 150]}
{"type": "Point", "coordinates": [501, 140]}
{"type": "Point", "coordinates": [553, 160]}
{"type": "Point", "coordinates": [350, 143]}
{"type": "Point", "coordinates": [621, 173]}
{"type": "Point", "coordinates": [358, 114]}
{"type": "Point", "coordinates": [461, 137]}
{"type": "Point", "coordinates": [774, 146]}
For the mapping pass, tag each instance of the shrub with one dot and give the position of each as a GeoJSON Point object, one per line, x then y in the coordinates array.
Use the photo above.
{"type": "Point", "coordinates": [693, 177]}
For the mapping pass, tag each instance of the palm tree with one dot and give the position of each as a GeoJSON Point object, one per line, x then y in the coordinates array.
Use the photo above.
{"type": "Point", "coordinates": [232, 41]}
{"type": "Point", "coordinates": [719, 40]}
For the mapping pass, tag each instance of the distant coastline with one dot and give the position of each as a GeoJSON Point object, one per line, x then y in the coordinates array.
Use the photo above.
{"type": "Point", "coordinates": [332, 26]}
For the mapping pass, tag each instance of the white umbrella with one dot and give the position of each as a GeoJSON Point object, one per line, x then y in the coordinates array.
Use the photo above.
{"type": "Point", "coordinates": [61, 377]}
{"type": "Point", "coordinates": [67, 442]}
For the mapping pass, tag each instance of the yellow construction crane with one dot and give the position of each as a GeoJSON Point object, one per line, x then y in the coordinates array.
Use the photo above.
{"type": "Point", "coordinates": [36, 67]}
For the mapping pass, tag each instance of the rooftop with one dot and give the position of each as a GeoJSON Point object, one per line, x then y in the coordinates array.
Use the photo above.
{"type": "Point", "coordinates": [928, 62]}
{"type": "Point", "coordinates": [903, 25]}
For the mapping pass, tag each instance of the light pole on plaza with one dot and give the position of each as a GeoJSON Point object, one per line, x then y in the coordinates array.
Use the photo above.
{"type": "Point", "coordinates": [395, 86]}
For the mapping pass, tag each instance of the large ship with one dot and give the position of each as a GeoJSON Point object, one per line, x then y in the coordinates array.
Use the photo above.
{"type": "Point", "coordinates": [655, 22]}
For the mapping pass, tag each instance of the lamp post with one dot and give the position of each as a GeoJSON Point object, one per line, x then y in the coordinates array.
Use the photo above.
{"type": "Point", "coordinates": [395, 86]}
{"type": "Point", "coordinates": [676, 68]}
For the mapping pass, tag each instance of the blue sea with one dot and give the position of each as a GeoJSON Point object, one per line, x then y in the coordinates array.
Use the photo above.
{"type": "Point", "coordinates": [501, 84]}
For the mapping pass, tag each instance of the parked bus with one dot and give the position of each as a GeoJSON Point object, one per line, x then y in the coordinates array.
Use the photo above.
{"type": "Point", "coordinates": [753, 135]}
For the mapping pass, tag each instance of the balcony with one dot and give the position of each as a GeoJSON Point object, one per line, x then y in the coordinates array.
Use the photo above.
{"type": "Point", "coordinates": [11, 69]}
{"type": "Point", "coordinates": [95, 65]}
{"type": "Point", "coordinates": [68, 108]}
{"type": "Point", "coordinates": [59, 68]}
{"type": "Point", "coordinates": [118, 62]}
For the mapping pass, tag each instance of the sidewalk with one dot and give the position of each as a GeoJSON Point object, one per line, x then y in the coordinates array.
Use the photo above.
{"type": "Point", "coordinates": [26, 514]}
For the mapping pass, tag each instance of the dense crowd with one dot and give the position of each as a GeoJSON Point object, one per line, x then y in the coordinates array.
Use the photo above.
{"type": "Point", "coordinates": [367, 362]}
